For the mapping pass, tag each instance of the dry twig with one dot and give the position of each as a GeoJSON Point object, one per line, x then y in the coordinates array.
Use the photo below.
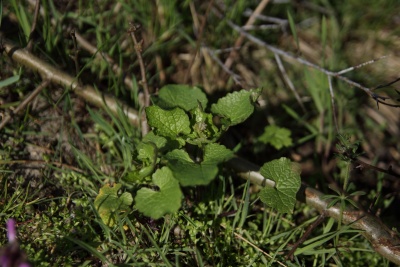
{"type": "Point", "coordinates": [288, 81]}
{"type": "Point", "coordinates": [139, 49]}
{"type": "Point", "coordinates": [29, 46]}
{"type": "Point", "coordinates": [84, 44]}
{"type": "Point", "coordinates": [229, 61]}
{"type": "Point", "coordinates": [384, 241]}
{"type": "Point", "coordinates": [76, 51]}
{"type": "Point", "coordinates": [378, 98]}
{"type": "Point", "coordinates": [56, 76]}
{"type": "Point", "coordinates": [303, 238]}
{"type": "Point", "coordinates": [199, 39]}
{"type": "Point", "coordinates": [24, 103]}
{"type": "Point", "coordinates": [236, 78]}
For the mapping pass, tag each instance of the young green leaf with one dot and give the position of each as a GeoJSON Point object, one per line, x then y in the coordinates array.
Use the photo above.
{"type": "Point", "coordinates": [108, 203]}
{"type": "Point", "coordinates": [168, 123]}
{"type": "Point", "coordinates": [236, 107]}
{"type": "Point", "coordinates": [147, 155]}
{"type": "Point", "coordinates": [190, 173]}
{"type": "Point", "coordinates": [159, 141]}
{"type": "Point", "coordinates": [146, 152]}
{"type": "Point", "coordinates": [276, 136]}
{"type": "Point", "coordinates": [163, 144]}
{"type": "Point", "coordinates": [204, 129]}
{"type": "Point", "coordinates": [182, 96]}
{"type": "Point", "coordinates": [216, 154]}
{"type": "Point", "coordinates": [286, 175]}
{"type": "Point", "coordinates": [157, 203]}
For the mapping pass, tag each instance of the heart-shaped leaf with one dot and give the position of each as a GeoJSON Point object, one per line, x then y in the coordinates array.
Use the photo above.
{"type": "Point", "coordinates": [157, 203]}
{"type": "Point", "coordinates": [182, 96]}
{"type": "Point", "coordinates": [190, 173]}
{"type": "Point", "coordinates": [286, 175]}
{"type": "Point", "coordinates": [236, 107]}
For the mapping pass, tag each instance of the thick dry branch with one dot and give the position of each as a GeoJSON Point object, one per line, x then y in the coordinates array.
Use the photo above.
{"type": "Point", "coordinates": [56, 76]}
{"type": "Point", "coordinates": [384, 241]}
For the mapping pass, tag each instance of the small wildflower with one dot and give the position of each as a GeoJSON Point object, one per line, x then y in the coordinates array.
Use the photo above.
{"type": "Point", "coordinates": [11, 255]}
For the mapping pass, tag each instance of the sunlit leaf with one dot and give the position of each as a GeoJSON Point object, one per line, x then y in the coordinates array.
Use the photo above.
{"type": "Point", "coordinates": [286, 175]}
{"type": "Point", "coordinates": [167, 199]}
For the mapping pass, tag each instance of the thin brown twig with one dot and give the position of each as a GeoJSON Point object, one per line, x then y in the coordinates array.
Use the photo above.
{"type": "Point", "coordinates": [288, 81]}
{"type": "Point", "coordinates": [387, 84]}
{"type": "Point", "coordinates": [362, 164]}
{"type": "Point", "coordinates": [84, 44]}
{"type": "Point", "coordinates": [25, 102]}
{"type": "Point", "coordinates": [236, 78]}
{"type": "Point", "coordinates": [29, 46]}
{"type": "Point", "coordinates": [360, 65]}
{"type": "Point", "coordinates": [76, 51]}
{"type": "Point", "coordinates": [238, 43]}
{"type": "Point", "coordinates": [254, 246]}
{"type": "Point", "coordinates": [378, 98]}
{"type": "Point", "coordinates": [138, 45]}
{"type": "Point", "coordinates": [303, 238]}
{"type": "Point", "coordinates": [281, 23]}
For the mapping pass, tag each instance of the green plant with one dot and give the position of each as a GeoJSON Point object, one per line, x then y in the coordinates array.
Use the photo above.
{"type": "Point", "coordinates": [182, 150]}
{"type": "Point", "coordinates": [83, 194]}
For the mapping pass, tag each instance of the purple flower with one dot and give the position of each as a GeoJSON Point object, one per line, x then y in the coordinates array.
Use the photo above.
{"type": "Point", "coordinates": [11, 255]}
{"type": "Point", "coordinates": [11, 232]}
